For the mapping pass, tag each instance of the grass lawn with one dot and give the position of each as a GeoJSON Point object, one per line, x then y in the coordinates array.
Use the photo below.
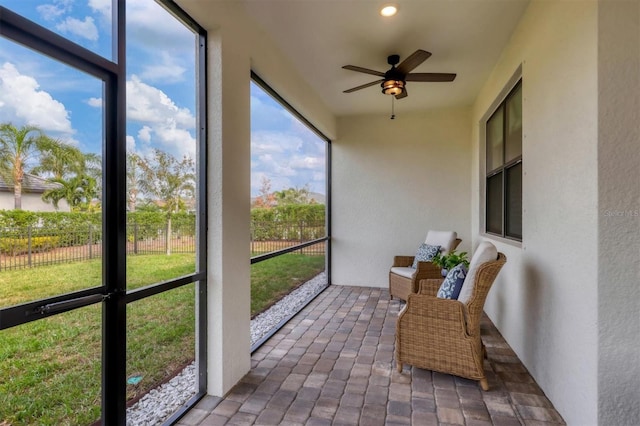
{"type": "Point", "coordinates": [274, 278]}
{"type": "Point", "coordinates": [50, 369]}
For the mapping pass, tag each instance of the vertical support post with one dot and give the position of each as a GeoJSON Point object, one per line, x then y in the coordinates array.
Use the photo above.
{"type": "Point", "coordinates": [90, 241]}
{"type": "Point", "coordinates": [135, 238]}
{"type": "Point", "coordinates": [29, 245]}
{"type": "Point", "coordinates": [114, 308]}
{"type": "Point", "coordinates": [300, 236]}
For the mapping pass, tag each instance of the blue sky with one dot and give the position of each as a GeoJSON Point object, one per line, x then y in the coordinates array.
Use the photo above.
{"type": "Point", "coordinates": [67, 104]}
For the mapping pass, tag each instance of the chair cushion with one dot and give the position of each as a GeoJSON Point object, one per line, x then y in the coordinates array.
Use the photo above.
{"type": "Point", "coordinates": [425, 253]}
{"type": "Point", "coordinates": [444, 239]}
{"type": "Point", "coordinates": [452, 284]}
{"type": "Point", "coordinates": [403, 271]}
{"type": "Point", "coordinates": [486, 252]}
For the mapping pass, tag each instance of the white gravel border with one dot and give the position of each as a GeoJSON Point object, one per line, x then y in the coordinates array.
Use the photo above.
{"type": "Point", "coordinates": [160, 403]}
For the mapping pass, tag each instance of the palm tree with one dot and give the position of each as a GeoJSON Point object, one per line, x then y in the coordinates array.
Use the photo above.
{"type": "Point", "coordinates": [58, 159]}
{"type": "Point", "coordinates": [78, 191]}
{"type": "Point", "coordinates": [18, 146]}
{"type": "Point", "coordinates": [168, 181]}
{"type": "Point", "coordinates": [78, 173]}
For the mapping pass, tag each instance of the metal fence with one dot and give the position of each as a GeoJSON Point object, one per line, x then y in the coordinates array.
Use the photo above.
{"type": "Point", "coordinates": [33, 246]}
{"type": "Point", "coordinates": [271, 236]}
{"type": "Point", "coordinates": [36, 246]}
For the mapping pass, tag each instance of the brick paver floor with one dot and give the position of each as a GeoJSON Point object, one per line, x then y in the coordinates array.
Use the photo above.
{"type": "Point", "coordinates": [333, 364]}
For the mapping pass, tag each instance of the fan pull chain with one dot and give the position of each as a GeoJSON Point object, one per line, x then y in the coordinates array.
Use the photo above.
{"type": "Point", "coordinates": [393, 113]}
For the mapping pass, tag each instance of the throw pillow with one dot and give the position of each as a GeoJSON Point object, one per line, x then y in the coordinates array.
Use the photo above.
{"type": "Point", "coordinates": [452, 284]}
{"type": "Point", "coordinates": [425, 253]}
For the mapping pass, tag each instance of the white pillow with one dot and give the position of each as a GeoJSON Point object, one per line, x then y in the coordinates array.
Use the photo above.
{"type": "Point", "coordinates": [486, 252]}
{"type": "Point", "coordinates": [444, 239]}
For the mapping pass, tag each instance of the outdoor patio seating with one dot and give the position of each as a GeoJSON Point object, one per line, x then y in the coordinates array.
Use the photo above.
{"type": "Point", "coordinates": [405, 275]}
{"type": "Point", "coordinates": [444, 334]}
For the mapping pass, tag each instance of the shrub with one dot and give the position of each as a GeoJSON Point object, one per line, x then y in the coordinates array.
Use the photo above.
{"type": "Point", "coordinates": [17, 246]}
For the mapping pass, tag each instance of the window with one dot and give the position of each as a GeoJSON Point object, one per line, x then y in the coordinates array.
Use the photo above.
{"type": "Point", "coordinates": [289, 208]}
{"type": "Point", "coordinates": [504, 168]}
{"type": "Point", "coordinates": [105, 301]}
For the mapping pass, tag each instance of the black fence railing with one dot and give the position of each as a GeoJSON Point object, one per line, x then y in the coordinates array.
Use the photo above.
{"type": "Point", "coordinates": [33, 246]}
{"type": "Point", "coordinates": [267, 237]}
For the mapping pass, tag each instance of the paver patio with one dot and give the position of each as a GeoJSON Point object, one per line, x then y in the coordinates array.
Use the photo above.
{"type": "Point", "coordinates": [333, 364]}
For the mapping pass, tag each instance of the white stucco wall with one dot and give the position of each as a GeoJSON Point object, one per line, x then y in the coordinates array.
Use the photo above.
{"type": "Point", "coordinates": [31, 202]}
{"type": "Point", "coordinates": [236, 46]}
{"type": "Point", "coordinates": [545, 299]}
{"type": "Point", "coordinates": [619, 212]}
{"type": "Point", "coordinates": [393, 180]}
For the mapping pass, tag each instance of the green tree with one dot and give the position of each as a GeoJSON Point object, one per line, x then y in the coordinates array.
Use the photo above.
{"type": "Point", "coordinates": [169, 182]}
{"type": "Point", "coordinates": [57, 159]}
{"type": "Point", "coordinates": [78, 174]}
{"type": "Point", "coordinates": [78, 191]}
{"type": "Point", "coordinates": [134, 179]}
{"type": "Point", "coordinates": [19, 147]}
{"type": "Point", "coordinates": [293, 196]}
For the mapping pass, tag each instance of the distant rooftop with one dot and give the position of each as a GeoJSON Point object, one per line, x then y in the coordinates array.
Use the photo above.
{"type": "Point", "coordinates": [30, 183]}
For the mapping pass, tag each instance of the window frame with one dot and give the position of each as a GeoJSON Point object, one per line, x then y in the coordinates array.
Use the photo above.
{"type": "Point", "coordinates": [113, 294]}
{"type": "Point", "coordinates": [502, 170]}
{"type": "Point", "coordinates": [327, 237]}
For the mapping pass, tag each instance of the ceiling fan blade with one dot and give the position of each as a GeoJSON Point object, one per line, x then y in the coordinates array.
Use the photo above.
{"type": "Point", "coordinates": [364, 86]}
{"type": "Point", "coordinates": [364, 70]}
{"type": "Point", "coordinates": [430, 76]}
{"type": "Point", "coordinates": [404, 94]}
{"type": "Point", "coordinates": [413, 60]}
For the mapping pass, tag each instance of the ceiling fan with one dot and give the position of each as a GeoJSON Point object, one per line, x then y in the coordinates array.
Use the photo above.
{"type": "Point", "coordinates": [393, 82]}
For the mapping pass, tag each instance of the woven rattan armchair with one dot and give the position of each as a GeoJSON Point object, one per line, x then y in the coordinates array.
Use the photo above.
{"type": "Point", "coordinates": [442, 334]}
{"type": "Point", "coordinates": [403, 280]}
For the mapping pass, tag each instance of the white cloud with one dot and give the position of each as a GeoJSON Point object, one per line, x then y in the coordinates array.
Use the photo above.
{"type": "Point", "coordinates": [101, 6]}
{"type": "Point", "coordinates": [307, 162]}
{"type": "Point", "coordinates": [85, 29]}
{"type": "Point", "coordinates": [149, 104]}
{"type": "Point", "coordinates": [52, 11]}
{"type": "Point", "coordinates": [131, 143]}
{"type": "Point", "coordinates": [145, 134]}
{"type": "Point", "coordinates": [95, 102]}
{"type": "Point", "coordinates": [22, 101]}
{"type": "Point", "coordinates": [150, 24]}
{"type": "Point", "coordinates": [163, 121]}
{"type": "Point", "coordinates": [274, 141]}
{"type": "Point", "coordinates": [168, 71]}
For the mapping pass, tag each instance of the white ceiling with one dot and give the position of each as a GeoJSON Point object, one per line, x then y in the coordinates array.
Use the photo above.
{"type": "Point", "coordinates": [320, 36]}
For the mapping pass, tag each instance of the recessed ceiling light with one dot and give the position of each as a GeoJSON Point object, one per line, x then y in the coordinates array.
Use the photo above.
{"type": "Point", "coordinates": [389, 10]}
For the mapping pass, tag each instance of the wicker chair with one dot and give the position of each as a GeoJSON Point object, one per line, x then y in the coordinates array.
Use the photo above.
{"type": "Point", "coordinates": [442, 334]}
{"type": "Point", "coordinates": [404, 280]}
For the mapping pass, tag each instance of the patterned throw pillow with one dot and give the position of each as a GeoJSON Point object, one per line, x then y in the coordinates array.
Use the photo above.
{"type": "Point", "coordinates": [425, 253]}
{"type": "Point", "coordinates": [452, 284]}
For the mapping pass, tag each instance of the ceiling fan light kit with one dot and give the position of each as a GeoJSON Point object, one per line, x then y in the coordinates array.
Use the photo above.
{"type": "Point", "coordinates": [392, 87]}
{"type": "Point", "coordinates": [393, 82]}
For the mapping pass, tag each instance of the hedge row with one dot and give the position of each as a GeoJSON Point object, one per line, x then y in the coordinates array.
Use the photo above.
{"type": "Point", "coordinates": [312, 213]}
{"type": "Point", "coordinates": [291, 222]}
{"type": "Point", "coordinates": [73, 228]}
{"type": "Point", "coordinates": [296, 222]}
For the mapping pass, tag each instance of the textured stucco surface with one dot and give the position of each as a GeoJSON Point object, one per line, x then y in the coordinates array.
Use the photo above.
{"type": "Point", "coordinates": [236, 46]}
{"type": "Point", "coordinates": [619, 212]}
{"type": "Point", "coordinates": [393, 181]}
{"type": "Point", "coordinates": [545, 299]}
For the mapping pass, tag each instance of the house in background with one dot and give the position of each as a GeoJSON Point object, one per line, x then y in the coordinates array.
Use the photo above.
{"type": "Point", "coordinates": [32, 189]}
